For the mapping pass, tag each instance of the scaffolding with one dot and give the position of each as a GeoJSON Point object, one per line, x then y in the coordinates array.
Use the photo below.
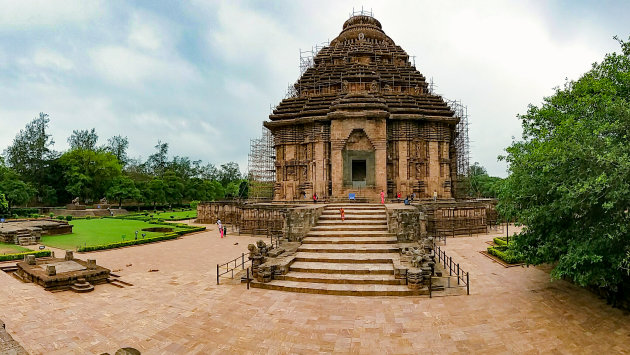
{"type": "Point", "coordinates": [261, 170]}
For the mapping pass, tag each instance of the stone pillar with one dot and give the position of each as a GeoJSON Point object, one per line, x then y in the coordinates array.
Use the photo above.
{"type": "Point", "coordinates": [91, 264]}
{"type": "Point", "coordinates": [432, 179]}
{"type": "Point", "coordinates": [403, 166]}
{"type": "Point", "coordinates": [51, 270]}
{"type": "Point", "coordinates": [69, 255]}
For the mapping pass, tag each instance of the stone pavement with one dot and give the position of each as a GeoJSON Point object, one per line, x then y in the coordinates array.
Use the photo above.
{"type": "Point", "coordinates": [180, 310]}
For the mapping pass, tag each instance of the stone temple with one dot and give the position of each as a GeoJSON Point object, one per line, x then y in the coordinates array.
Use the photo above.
{"type": "Point", "coordinates": [361, 119]}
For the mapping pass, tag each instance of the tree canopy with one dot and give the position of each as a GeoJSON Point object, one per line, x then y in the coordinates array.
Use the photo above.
{"type": "Point", "coordinates": [569, 181]}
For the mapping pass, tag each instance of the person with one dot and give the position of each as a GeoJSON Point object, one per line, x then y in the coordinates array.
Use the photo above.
{"type": "Point", "coordinates": [315, 197]}
{"type": "Point", "coordinates": [398, 196]}
{"type": "Point", "coordinates": [434, 195]}
{"type": "Point", "coordinates": [224, 231]}
{"type": "Point", "coordinates": [382, 197]}
{"type": "Point", "coordinates": [343, 214]}
{"type": "Point", "coordinates": [413, 196]}
{"type": "Point", "coordinates": [220, 227]}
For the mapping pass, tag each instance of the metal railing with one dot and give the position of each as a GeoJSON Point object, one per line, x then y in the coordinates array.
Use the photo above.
{"type": "Point", "coordinates": [463, 278]}
{"type": "Point", "coordinates": [230, 266]}
{"type": "Point", "coordinates": [242, 261]}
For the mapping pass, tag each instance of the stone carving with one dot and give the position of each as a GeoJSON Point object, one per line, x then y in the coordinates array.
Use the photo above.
{"type": "Point", "coordinates": [416, 90]}
{"type": "Point", "coordinates": [51, 270]}
{"type": "Point", "coordinates": [374, 86]}
{"type": "Point", "coordinates": [345, 87]}
{"type": "Point", "coordinates": [103, 201]}
{"type": "Point", "coordinates": [69, 255]}
{"type": "Point", "coordinates": [75, 201]}
{"type": "Point", "coordinates": [387, 88]}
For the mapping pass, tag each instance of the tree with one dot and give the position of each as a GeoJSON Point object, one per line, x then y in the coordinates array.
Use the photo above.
{"type": "Point", "coordinates": [15, 191]}
{"type": "Point", "coordinates": [123, 188]}
{"type": "Point", "coordinates": [118, 145]}
{"type": "Point", "coordinates": [229, 172]}
{"type": "Point", "coordinates": [30, 152]}
{"type": "Point", "coordinates": [173, 187]}
{"type": "Point", "coordinates": [83, 139]}
{"type": "Point", "coordinates": [569, 181]}
{"type": "Point", "coordinates": [481, 184]}
{"type": "Point", "coordinates": [89, 173]}
{"type": "Point", "coordinates": [155, 191]}
{"type": "Point", "coordinates": [4, 206]}
{"type": "Point", "coordinates": [157, 161]}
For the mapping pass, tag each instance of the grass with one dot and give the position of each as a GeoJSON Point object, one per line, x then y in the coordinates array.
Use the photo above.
{"type": "Point", "coordinates": [178, 215]}
{"type": "Point", "coordinates": [87, 232]}
{"type": "Point", "coordinates": [11, 249]}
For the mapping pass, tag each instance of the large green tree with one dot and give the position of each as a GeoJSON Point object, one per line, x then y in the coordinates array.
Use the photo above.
{"type": "Point", "coordinates": [569, 181]}
{"type": "Point", "coordinates": [123, 188]}
{"type": "Point", "coordinates": [31, 153]}
{"type": "Point", "coordinates": [83, 139]}
{"type": "Point", "coordinates": [88, 173]}
{"type": "Point", "coordinates": [15, 191]}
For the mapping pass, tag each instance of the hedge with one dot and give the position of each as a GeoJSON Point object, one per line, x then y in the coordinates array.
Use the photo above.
{"type": "Point", "coordinates": [19, 256]}
{"type": "Point", "coordinates": [128, 243]}
{"type": "Point", "coordinates": [504, 254]}
{"type": "Point", "coordinates": [500, 242]}
{"type": "Point", "coordinates": [167, 236]}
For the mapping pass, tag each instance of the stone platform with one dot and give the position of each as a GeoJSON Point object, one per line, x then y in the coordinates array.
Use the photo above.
{"type": "Point", "coordinates": [91, 212]}
{"type": "Point", "coordinates": [354, 257]}
{"type": "Point", "coordinates": [62, 274]}
{"type": "Point", "coordinates": [29, 232]}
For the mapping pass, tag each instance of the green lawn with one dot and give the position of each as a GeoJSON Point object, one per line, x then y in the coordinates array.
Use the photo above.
{"type": "Point", "coordinates": [177, 215]}
{"type": "Point", "coordinates": [100, 231]}
{"type": "Point", "coordinates": [11, 249]}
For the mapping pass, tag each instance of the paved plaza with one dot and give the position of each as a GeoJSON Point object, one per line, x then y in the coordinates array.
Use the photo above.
{"type": "Point", "coordinates": [179, 309]}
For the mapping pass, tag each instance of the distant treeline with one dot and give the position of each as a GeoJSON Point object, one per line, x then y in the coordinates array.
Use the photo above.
{"type": "Point", "coordinates": [33, 174]}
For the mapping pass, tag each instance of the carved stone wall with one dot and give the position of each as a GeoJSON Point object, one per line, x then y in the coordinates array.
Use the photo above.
{"type": "Point", "coordinates": [300, 220]}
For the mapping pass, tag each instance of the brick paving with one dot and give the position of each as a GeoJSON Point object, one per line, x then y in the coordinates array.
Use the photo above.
{"type": "Point", "coordinates": [180, 310]}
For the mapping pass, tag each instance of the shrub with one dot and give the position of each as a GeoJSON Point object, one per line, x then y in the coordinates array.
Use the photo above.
{"type": "Point", "coordinates": [499, 242]}
{"type": "Point", "coordinates": [128, 243]}
{"type": "Point", "coordinates": [68, 218]}
{"type": "Point", "coordinates": [61, 217]}
{"type": "Point", "coordinates": [504, 254]}
{"type": "Point", "coordinates": [52, 215]}
{"type": "Point", "coordinates": [18, 256]}
{"type": "Point", "coordinates": [193, 204]}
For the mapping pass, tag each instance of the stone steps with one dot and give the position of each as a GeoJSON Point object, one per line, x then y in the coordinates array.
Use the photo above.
{"type": "Point", "coordinates": [342, 268]}
{"type": "Point", "coordinates": [341, 289]}
{"type": "Point", "coordinates": [349, 240]}
{"type": "Point", "coordinates": [349, 234]}
{"type": "Point", "coordinates": [348, 248]}
{"type": "Point", "coordinates": [358, 222]}
{"type": "Point", "coordinates": [353, 258]}
{"type": "Point", "coordinates": [343, 227]}
{"type": "Point", "coordinates": [341, 279]}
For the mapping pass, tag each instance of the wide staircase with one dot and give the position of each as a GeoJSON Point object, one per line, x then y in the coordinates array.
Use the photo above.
{"type": "Point", "coordinates": [351, 257]}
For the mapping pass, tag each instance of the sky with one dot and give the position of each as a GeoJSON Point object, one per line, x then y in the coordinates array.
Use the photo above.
{"type": "Point", "coordinates": [202, 75]}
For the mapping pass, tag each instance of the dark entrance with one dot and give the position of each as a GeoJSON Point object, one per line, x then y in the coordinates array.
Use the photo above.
{"type": "Point", "coordinates": [359, 170]}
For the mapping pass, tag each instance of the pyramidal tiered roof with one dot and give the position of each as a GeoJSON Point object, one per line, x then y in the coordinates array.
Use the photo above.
{"type": "Point", "coordinates": [362, 65]}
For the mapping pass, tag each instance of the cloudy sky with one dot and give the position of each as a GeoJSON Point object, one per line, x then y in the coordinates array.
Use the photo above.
{"type": "Point", "coordinates": [201, 75]}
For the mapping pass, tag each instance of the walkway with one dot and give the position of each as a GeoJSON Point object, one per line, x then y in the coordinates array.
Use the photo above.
{"type": "Point", "coordinates": [180, 310]}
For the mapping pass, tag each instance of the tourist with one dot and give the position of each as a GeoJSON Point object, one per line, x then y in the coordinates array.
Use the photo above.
{"type": "Point", "coordinates": [315, 197]}
{"type": "Point", "coordinates": [398, 196]}
{"type": "Point", "coordinates": [382, 197]}
{"type": "Point", "coordinates": [343, 214]}
{"type": "Point", "coordinates": [220, 227]}
{"type": "Point", "coordinates": [224, 231]}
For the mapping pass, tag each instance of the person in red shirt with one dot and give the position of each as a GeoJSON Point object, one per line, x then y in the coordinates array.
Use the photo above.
{"type": "Point", "coordinates": [343, 214]}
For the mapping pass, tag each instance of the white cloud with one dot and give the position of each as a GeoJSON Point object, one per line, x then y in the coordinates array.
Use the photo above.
{"type": "Point", "coordinates": [146, 34]}
{"type": "Point", "coordinates": [38, 13]}
{"type": "Point", "coordinates": [125, 66]}
{"type": "Point", "coordinates": [53, 60]}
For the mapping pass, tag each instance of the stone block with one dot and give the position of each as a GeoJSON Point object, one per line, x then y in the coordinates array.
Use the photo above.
{"type": "Point", "coordinates": [29, 259]}
{"type": "Point", "coordinates": [91, 263]}
{"type": "Point", "coordinates": [69, 255]}
{"type": "Point", "coordinates": [51, 270]}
